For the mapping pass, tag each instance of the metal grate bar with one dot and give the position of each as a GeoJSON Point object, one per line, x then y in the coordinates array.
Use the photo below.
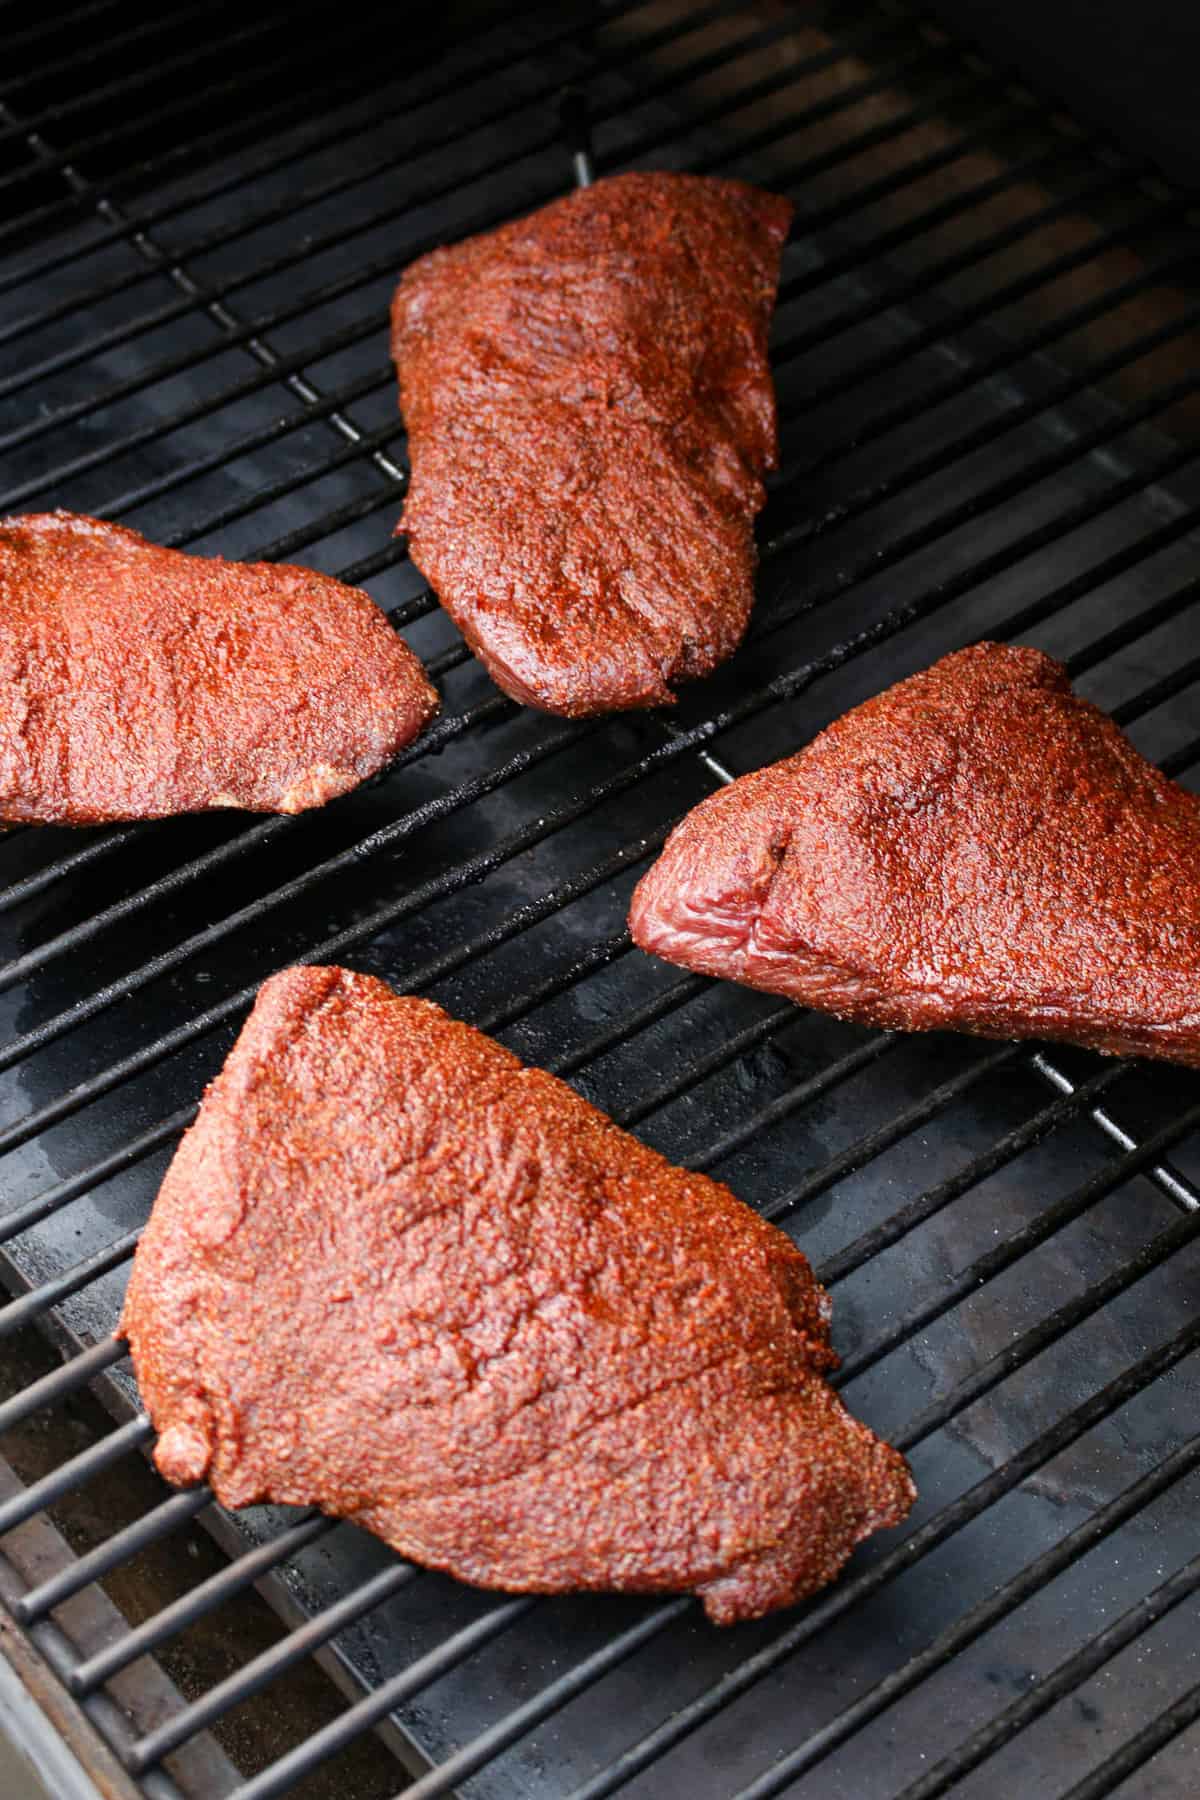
{"type": "Point", "coordinates": [1173, 1184]}
{"type": "Point", "coordinates": [225, 1585]}
{"type": "Point", "coordinates": [269, 1664]}
{"type": "Point", "coordinates": [815, 1088]}
{"type": "Point", "coordinates": [261, 324]}
{"type": "Point", "coordinates": [52, 116]}
{"type": "Point", "coordinates": [1064, 324]}
{"type": "Point", "coordinates": [38, 1300]}
{"type": "Point", "coordinates": [923, 1206]}
{"type": "Point", "coordinates": [821, 1613]}
{"type": "Point", "coordinates": [48, 1390]}
{"type": "Point", "coordinates": [997, 1607]}
{"type": "Point", "coordinates": [48, 73]}
{"type": "Point", "coordinates": [993, 1262]}
{"type": "Point", "coordinates": [296, 256]}
{"type": "Point", "coordinates": [283, 367]}
{"type": "Point", "coordinates": [1040, 1337]}
{"type": "Point", "coordinates": [22, 1217]}
{"type": "Point", "coordinates": [334, 186]}
{"type": "Point", "coordinates": [357, 83]}
{"type": "Point", "coordinates": [946, 455]}
{"type": "Point", "coordinates": [94, 1565]}
{"type": "Point", "coordinates": [1054, 1687]}
{"type": "Point", "coordinates": [55, 26]}
{"type": "Point", "coordinates": [95, 850]}
{"type": "Point", "coordinates": [364, 1713]}
{"type": "Point", "coordinates": [199, 97]}
{"type": "Point", "coordinates": [1140, 1748]}
{"type": "Point", "coordinates": [73, 1473]}
{"type": "Point", "coordinates": [522, 1719]}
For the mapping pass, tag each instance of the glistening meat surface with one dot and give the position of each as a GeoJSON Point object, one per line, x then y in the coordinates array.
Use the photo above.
{"type": "Point", "coordinates": [137, 682]}
{"type": "Point", "coordinates": [975, 848]}
{"type": "Point", "coordinates": [396, 1274]}
{"type": "Point", "coordinates": [590, 411]}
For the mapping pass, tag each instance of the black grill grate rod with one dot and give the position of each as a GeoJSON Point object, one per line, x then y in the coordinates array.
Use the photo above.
{"type": "Point", "coordinates": [48, 73]}
{"type": "Point", "coordinates": [376, 83]}
{"type": "Point", "coordinates": [168, 1516]}
{"type": "Point", "coordinates": [54, 25]}
{"type": "Point", "coordinates": [428, 144]}
{"type": "Point", "coordinates": [210, 295]}
{"type": "Point", "coordinates": [774, 692]}
{"type": "Point", "coordinates": [358, 1718]}
{"type": "Point", "coordinates": [197, 98]}
{"type": "Point", "coordinates": [1061, 1681]}
{"type": "Point", "coordinates": [918, 1544]}
{"type": "Point", "coordinates": [373, 383]}
{"type": "Point", "coordinates": [52, 116]}
{"type": "Point", "coordinates": [1173, 1184]}
{"type": "Point", "coordinates": [1045, 1225]}
{"type": "Point", "coordinates": [72, 1474]}
{"type": "Point", "coordinates": [217, 1590]}
{"type": "Point", "coordinates": [993, 1611]}
{"type": "Point", "coordinates": [269, 1664]}
{"type": "Point", "coordinates": [1139, 1749]}
{"type": "Point", "coordinates": [258, 326]}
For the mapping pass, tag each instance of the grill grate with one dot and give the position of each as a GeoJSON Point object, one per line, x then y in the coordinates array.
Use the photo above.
{"type": "Point", "coordinates": [985, 356]}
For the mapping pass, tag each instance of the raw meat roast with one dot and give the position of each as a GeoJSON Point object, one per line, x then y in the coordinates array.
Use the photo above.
{"type": "Point", "coordinates": [396, 1274]}
{"type": "Point", "coordinates": [137, 682]}
{"type": "Point", "coordinates": [590, 411]}
{"type": "Point", "coordinates": [976, 848]}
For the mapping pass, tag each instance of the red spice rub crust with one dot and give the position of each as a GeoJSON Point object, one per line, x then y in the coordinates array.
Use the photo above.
{"type": "Point", "coordinates": [136, 682]}
{"type": "Point", "coordinates": [975, 848]}
{"type": "Point", "coordinates": [590, 411]}
{"type": "Point", "coordinates": [396, 1274]}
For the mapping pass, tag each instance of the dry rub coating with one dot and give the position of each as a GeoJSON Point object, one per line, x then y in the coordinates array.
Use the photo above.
{"type": "Point", "coordinates": [975, 848]}
{"type": "Point", "coordinates": [396, 1274]}
{"type": "Point", "coordinates": [137, 682]}
{"type": "Point", "coordinates": [590, 412]}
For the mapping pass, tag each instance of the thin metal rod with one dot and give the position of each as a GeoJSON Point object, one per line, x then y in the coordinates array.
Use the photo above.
{"type": "Point", "coordinates": [347, 179]}
{"type": "Point", "coordinates": [296, 256]}
{"type": "Point", "coordinates": [280, 1775]}
{"type": "Point", "coordinates": [260, 325]}
{"type": "Point", "coordinates": [1052, 1688]}
{"type": "Point", "coordinates": [1174, 1185]}
{"type": "Point", "coordinates": [39, 1299]}
{"type": "Point", "coordinates": [1003, 1255]}
{"type": "Point", "coordinates": [94, 1565]}
{"type": "Point", "coordinates": [74, 1472]}
{"type": "Point", "coordinates": [49, 1389]}
{"type": "Point", "coordinates": [225, 1585]}
{"type": "Point", "coordinates": [306, 137]}
{"type": "Point", "coordinates": [991, 1611]}
{"type": "Point", "coordinates": [1137, 1750]}
{"type": "Point", "coordinates": [952, 1518]}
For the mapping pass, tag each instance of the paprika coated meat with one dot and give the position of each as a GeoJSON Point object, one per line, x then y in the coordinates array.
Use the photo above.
{"type": "Point", "coordinates": [395, 1274]}
{"type": "Point", "coordinates": [590, 412]}
{"type": "Point", "coordinates": [137, 682]}
{"type": "Point", "coordinates": [976, 848]}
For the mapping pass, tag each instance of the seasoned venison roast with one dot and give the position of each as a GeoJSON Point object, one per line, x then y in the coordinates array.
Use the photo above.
{"type": "Point", "coordinates": [975, 848]}
{"type": "Point", "coordinates": [590, 411]}
{"type": "Point", "coordinates": [395, 1274]}
{"type": "Point", "coordinates": [137, 681]}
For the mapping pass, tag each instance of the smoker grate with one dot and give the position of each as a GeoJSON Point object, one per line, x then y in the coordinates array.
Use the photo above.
{"type": "Point", "coordinates": [985, 354]}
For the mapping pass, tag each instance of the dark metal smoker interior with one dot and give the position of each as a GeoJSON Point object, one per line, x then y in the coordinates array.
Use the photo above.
{"type": "Point", "coordinates": [986, 356]}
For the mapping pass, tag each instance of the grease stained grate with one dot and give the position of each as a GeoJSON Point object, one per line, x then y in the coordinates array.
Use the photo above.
{"type": "Point", "coordinates": [985, 352]}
